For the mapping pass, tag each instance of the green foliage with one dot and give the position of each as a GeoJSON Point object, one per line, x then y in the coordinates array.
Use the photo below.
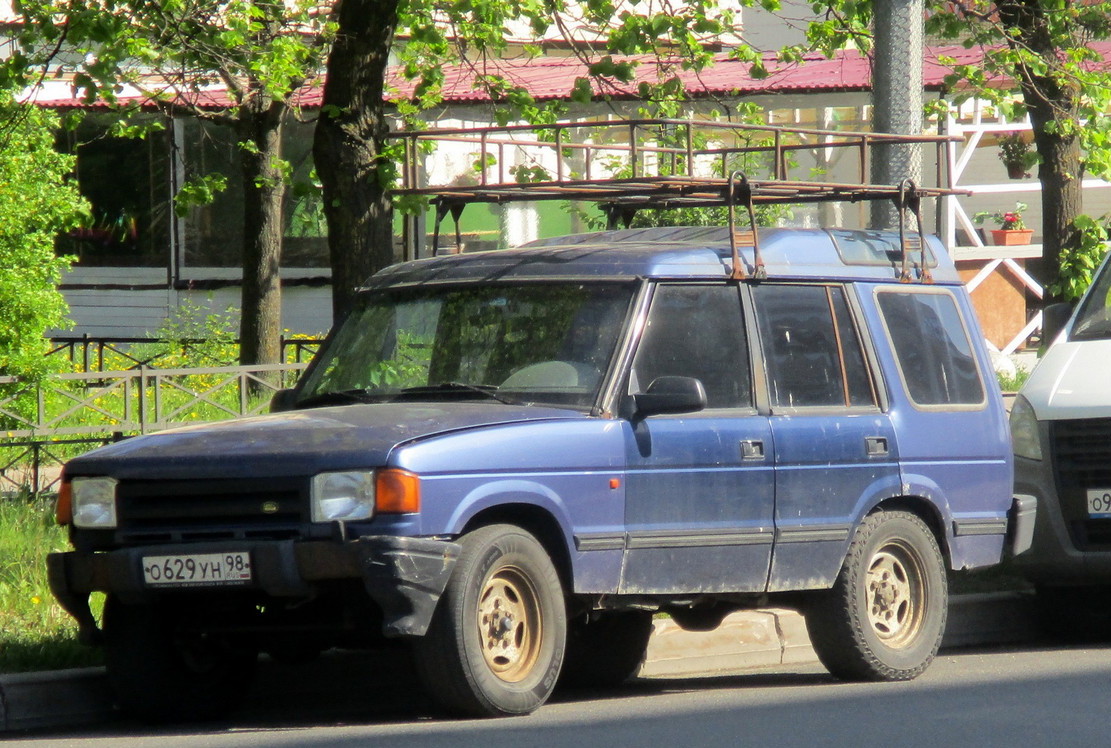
{"type": "Point", "coordinates": [260, 52]}
{"type": "Point", "coordinates": [1039, 59]}
{"type": "Point", "coordinates": [35, 633]}
{"type": "Point", "coordinates": [679, 38]}
{"type": "Point", "coordinates": [193, 337]}
{"type": "Point", "coordinates": [1079, 263]}
{"type": "Point", "coordinates": [38, 201]}
{"type": "Point", "coordinates": [1012, 382]}
{"type": "Point", "coordinates": [198, 190]}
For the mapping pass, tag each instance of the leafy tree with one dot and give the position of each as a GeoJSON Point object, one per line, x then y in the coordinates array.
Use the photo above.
{"type": "Point", "coordinates": [1041, 50]}
{"type": "Point", "coordinates": [37, 202]}
{"type": "Point", "coordinates": [1041, 58]}
{"type": "Point", "coordinates": [355, 165]}
{"type": "Point", "coordinates": [260, 51]}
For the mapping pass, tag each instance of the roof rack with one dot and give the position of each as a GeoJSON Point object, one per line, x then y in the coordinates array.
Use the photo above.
{"type": "Point", "coordinates": [629, 165]}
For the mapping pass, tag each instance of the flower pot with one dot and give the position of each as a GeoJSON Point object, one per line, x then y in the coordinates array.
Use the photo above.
{"type": "Point", "coordinates": [1017, 170]}
{"type": "Point", "coordinates": [1011, 237]}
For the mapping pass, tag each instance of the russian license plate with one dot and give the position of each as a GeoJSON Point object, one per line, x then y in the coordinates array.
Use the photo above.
{"type": "Point", "coordinates": [1099, 502]}
{"type": "Point", "coordinates": [202, 569]}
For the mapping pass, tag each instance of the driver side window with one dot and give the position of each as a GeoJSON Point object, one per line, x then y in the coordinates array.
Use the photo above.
{"type": "Point", "coordinates": [696, 331]}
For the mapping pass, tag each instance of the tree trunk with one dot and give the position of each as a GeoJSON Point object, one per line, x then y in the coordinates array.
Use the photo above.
{"type": "Point", "coordinates": [348, 145]}
{"type": "Point", "coordinates": [1062, 198]}
{"type": "Point", "coordinates": [260, 126]}
{"type": "Point", "coordinates": [1053, 104]}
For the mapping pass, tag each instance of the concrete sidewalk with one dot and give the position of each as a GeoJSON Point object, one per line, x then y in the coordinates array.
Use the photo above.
{"type": "Point", "coordinates": [746, 640]}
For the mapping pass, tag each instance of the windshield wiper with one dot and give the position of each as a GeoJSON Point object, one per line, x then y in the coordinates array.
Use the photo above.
{"type": "Point", "coordinates": [486, 390]}
{"type": "Point", "coordinates": [341, 397]}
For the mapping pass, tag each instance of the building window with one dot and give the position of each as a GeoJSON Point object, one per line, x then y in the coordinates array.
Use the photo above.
{"type": "Point", "coordinates": [213, 234]}
{"type": "Point", "coordinates": [127, 183]}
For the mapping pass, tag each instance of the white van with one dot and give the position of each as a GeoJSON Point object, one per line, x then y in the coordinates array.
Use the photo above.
{"type": "Point", "coordinates": [1061, 429]}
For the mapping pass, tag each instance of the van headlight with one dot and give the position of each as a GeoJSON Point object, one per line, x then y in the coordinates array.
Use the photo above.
{"type": "Point", "coordinates": [343, 497]}
{"type": "Point", "coordinates": [94, 503]}
{"type": "Point", "coordinates": [1024, 430]}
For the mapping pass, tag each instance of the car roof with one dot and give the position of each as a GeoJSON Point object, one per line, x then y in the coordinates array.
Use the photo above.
{"type": "Point", "coordinates": [683, 253]}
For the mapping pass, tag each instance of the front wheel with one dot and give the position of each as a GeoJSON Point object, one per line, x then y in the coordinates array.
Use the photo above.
{"type": "Point", "coordinates": [495, 644]}
{"type": "Point", "coordinates": [884, 617]}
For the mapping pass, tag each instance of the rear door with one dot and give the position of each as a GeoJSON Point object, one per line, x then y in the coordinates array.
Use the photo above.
{"type": "Point", "coordinates": [835, 448]}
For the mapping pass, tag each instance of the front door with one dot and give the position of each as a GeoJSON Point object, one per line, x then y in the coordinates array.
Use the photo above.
{"type": "Point", "coordinates": [700, 486]}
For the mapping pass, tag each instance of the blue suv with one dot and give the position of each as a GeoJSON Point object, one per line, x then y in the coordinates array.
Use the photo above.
{"type": "Point", "coordinates": [512, 460]}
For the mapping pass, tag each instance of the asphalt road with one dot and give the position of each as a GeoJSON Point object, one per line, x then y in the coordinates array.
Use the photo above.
{"type": "Point", "coordinates": [998, 697]}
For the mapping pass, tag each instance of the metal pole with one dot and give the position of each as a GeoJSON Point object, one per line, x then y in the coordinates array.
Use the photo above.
{"type": "Point", "coordinates": [896, 97]}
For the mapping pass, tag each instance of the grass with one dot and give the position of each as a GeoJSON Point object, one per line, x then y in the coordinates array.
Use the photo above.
{"type": "Point", "coordinates": [35, 633]}
{"type": "Point", "coordinates": [1012, 383]}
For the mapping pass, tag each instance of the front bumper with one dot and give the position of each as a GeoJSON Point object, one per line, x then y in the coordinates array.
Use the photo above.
{"type": "Point", "coordinates": [1054, 558]}
{"type": "Point", "coordinates": [403, 576]}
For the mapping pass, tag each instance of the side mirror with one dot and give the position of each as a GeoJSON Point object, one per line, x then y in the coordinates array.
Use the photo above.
{"type": "Point", "coordinates": [670, 395]}
{"type": "Point", "coordinates": [281, 401]}
{"type": "Point", "coordinates": [1054, 319]}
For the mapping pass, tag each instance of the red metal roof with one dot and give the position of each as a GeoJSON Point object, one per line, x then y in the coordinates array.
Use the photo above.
{"type": "Point", "coordinates": [552, 78]}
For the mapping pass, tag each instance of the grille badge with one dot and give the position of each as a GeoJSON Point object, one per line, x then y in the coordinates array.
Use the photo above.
{"type": "Point", "coordinates": [269, 507]}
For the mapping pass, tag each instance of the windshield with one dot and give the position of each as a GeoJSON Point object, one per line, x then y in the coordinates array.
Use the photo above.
{"type": "Point", "coordinates": [1093, 322]}
{"type": "Point", "coordinates": [540, 343]}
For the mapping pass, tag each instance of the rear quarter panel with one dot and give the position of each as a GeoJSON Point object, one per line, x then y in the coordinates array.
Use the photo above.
{"type": "Point", "coordinates": [957, 459]}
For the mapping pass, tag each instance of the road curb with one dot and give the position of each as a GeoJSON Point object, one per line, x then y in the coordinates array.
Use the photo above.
{"type": "Point", "coordinates": [56, 698]}
{"type": "Point", "coordinates": [778, 636]}
{"type": "Point", "coordinates": [744, 641]}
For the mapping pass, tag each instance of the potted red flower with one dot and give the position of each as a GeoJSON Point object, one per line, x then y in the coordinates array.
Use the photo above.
{"type": "Point", "coordinates": [1011, 229]}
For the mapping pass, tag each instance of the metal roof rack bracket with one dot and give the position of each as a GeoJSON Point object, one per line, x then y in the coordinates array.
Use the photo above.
{"type": "Point", "coordinates": [909, 200]}
{"type": "Point", "coordinates": [739, 187]}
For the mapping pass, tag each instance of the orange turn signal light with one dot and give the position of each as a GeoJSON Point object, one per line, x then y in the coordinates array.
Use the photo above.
{"type": "Point", "coordinates": [63, 507]}
{"type": "Point", "coordinates": [397, 492]}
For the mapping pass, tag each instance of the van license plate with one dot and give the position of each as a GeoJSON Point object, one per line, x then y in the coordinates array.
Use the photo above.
{"type": "Point", "coordinates": [1099, 502]}
{"type": "Point", "coordinates": [202, 569]}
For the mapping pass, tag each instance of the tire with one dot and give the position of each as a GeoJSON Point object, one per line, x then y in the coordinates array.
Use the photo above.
{"type": "Point", "coordinates": [495, 644]}
{"type": "Point", "coordinates": [885, 616]}
{"type": "Point", "coordinates": [605, 652]}
{"type": "Point", "coordinates": [161, 673]}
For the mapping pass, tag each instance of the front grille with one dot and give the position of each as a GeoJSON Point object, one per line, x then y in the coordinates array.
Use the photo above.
{"type": "Point", "coordinates": [171, 511]}
{"type": "Point", "coordinates": [1082, 459]}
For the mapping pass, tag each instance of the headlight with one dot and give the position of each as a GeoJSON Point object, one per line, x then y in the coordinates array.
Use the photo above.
{"type": "Point", "coordinates": [342, 497]}
{"type": "Point", "coordinates": [1024, 430]}
{"type": "Point", "coordinates": [94, 503]}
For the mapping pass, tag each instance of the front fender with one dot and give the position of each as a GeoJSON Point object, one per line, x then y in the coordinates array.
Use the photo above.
{"type": "Point", "coordinates": [510, 491]}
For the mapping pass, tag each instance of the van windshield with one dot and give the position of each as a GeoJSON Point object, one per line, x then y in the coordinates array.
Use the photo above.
{"type": "Point", "coordinates": [547, 343]}
{"type": "Point", "coordinates": [1093, 321]}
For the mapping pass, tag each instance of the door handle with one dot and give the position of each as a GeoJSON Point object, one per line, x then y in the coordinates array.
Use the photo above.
{"type": "Point", "coordinates": [752, 449]}
{"type": "Point", "coordinates": [876, 446]}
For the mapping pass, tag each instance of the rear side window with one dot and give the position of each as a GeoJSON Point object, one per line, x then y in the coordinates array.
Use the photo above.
{"type": "Point", "coordinates": [932, 347]}
{"type": "Point", "coordinates": [812, 351]}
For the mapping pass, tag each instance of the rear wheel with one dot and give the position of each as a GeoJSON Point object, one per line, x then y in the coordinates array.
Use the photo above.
{"type": "Point", "coordinates": [884, 618]}
{"type": "Point", "coordinates": [162, 671]}
{"type": "Point", "coordinates": [606, 651]}
{"type": "Point", "coordinates": [496, 641]}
